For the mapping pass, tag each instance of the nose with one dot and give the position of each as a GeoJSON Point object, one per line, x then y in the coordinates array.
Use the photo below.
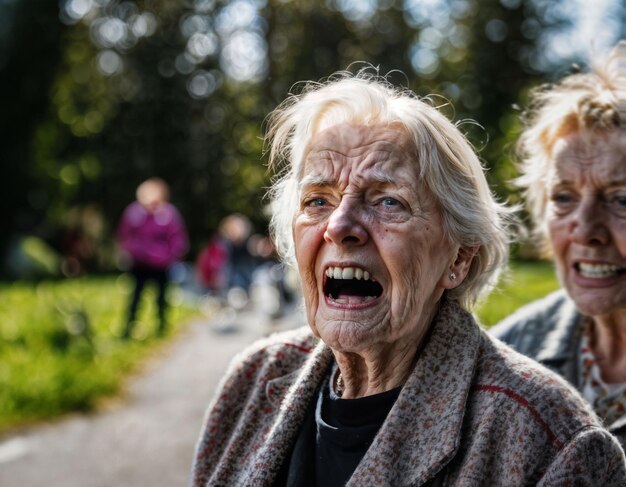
{"type": "Point", "coordinates": [345, 225]}
{"type": "Point", "coordinates": [588, 226]}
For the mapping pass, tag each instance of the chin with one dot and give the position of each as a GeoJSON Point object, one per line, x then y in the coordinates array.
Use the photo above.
{"type": "Point", "coordinates": [596, 306]}
{"type": "Point", "coordinates": [343, 336]}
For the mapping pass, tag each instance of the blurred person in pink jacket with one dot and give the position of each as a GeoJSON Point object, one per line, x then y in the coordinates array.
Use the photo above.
{"type": "Point", "coordinates": [152, 235]}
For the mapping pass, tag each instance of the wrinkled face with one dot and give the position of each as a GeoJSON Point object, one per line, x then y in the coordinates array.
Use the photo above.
{"type": "Point", "coordinates": [587, 221]}
{"type": "Point", "coordinates": [369, 241]}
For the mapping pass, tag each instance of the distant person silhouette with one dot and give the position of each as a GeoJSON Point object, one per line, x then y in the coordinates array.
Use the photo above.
{"type": "Point", "coordinates": [152, 235]}
{"type": "Point", "coordinates": [235, 231]}
{"type": "Point", "coordinates": [212, 265]}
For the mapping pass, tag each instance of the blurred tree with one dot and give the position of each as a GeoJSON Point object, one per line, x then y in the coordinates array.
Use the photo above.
{"type": "Point", "coordinates": [30, 48]}
{"type": "Point", "coordinates": [141, 93]}
{"type": "Point", "coordinates": [506, 60]}
{"type": "Point", "coordinates": [309, 40]}
{"type": "Point", "coordinates": [179, 89]}
{"type": "Point", "coordinates": [482, 57]}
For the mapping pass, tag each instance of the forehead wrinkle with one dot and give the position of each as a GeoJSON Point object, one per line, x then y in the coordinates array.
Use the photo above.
{"type": "Point", "coordinates": [585, 149]}
{"type": "Point", "coordinates": [588, 174]}
{"type": "Point", "coordinates": [338, 158]}
{"type": "Point", "coordinates": [375, 176]}
{"type": "Point", "coordinates": [357, 137]}
{"type": "Point", "coordinates": [362, 154]}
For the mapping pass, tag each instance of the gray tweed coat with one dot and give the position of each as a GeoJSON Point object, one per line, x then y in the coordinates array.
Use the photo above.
{"type": "Point", "coordinates": [472, 413]}
{"type": "Point", "coordinates": [549, 331]}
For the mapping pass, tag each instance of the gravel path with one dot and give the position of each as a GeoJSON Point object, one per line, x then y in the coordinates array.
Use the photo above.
{"type": "Point", "coordinates": [148, 437]}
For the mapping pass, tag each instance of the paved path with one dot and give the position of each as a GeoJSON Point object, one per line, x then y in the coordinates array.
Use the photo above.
{"type": "Point", "coordinates": [147, 439]}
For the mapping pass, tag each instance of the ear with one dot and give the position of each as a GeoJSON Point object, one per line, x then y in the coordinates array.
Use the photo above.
{"type": "Point", "coordinates": [457, 271]}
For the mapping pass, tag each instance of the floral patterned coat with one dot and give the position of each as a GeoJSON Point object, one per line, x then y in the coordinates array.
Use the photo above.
{"type": "Point", "coordinates": [472, 413]}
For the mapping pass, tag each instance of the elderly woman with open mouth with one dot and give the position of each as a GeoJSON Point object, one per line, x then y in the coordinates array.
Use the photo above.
{"type": "Point", "coordinates": [574, 170]}
{"type": "Point", "coordinates": [383, 207]}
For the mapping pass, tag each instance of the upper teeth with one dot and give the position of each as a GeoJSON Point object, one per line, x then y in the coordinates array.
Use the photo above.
{"type": "Point", "coordinates": [347, 273]}
{"type": "Point", "coordinates": [597, 270]}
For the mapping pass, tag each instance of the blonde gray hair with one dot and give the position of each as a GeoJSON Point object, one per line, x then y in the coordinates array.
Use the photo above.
{"type": "Point", "coordinates": [447, 163]}
{"type": "Point", "coordinates": [588, 103]}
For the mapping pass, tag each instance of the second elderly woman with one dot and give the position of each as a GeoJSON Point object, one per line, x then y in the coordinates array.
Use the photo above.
{"type": "Point", "coordinates": [574, 172]}
{"type": "Point", "coordinates": [385, 211]}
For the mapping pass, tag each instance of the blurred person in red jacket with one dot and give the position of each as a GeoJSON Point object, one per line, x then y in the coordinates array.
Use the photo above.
{"type": "Point", "coordinates": [212, 264]}
{"type": "Point", "coordinates": [152, 236]}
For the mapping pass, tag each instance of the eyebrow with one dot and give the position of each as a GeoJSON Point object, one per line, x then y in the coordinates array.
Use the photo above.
{"type": "Point", "coordinates": [569, 182]}
{"type": "Point", "coordinates": [378, 177]}
{"type": "Point", "coordinates": [314, 181]}
{"type": "Point", "coordinates": [617, 184]}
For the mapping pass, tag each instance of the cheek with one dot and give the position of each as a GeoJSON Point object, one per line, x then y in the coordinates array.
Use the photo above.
{"type": "Point", "coordinates": [558, 235]}
{"type": "Point", "coordinates": [415, 265]}
{"type": "Point", "coordinates": [619, 236]}
{"type": "Point", "coordinates": [307, 242]}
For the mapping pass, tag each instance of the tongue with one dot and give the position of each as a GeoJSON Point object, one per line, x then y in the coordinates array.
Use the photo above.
{"type": "Point", "coordinates": [352, 299]}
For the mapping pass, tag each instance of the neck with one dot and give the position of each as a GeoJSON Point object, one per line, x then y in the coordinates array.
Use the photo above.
{"type": "Point", "coordinates": [376, 371]}
{"type": "Point", "coordinates": [384, 365]}
{"type": "Point", "coordinates": [608, 343]}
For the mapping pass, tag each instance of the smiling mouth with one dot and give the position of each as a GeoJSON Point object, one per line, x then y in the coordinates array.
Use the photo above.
{"type": "Point", "coordinates": [351, 285]}
{"type": "Point", "coordinates": [598, 271]}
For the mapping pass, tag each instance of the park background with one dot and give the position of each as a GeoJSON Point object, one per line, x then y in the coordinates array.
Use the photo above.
{"type": "Point", "coordinates": [98, 95]}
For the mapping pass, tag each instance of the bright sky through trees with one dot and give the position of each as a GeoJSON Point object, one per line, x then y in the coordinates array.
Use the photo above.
{"type": "Point", "coordinates": [598, 26]}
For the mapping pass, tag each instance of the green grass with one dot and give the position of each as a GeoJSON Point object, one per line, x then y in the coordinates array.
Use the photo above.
{"type": "Point", "coordinates": [526, 282]}
{"type": "Point", "coordinates": [59, 344]}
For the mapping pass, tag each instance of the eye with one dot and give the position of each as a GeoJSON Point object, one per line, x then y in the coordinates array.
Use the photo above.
{"type": "Point", "coordinates": [616, 204]}
{"type": "Point", "coordinates": [619, 201]}
{"type": "Point", "coordinates": [316, 202]}
{"type": "Point", "coordinates": [390, 202]}
{"type": "Point", "coordinates": [563, 200]}
{"type": "Point", "coordinates": [389, 208]}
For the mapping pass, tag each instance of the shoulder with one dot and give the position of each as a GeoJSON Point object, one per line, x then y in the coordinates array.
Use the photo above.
{"type": "Point", "coordinates": [593, 457]}
{"type": "Point", "coordinates": [530, 395]}
{"type": "Point", "coordinates": [544, 433]}
{"type": "Point", "coordinates": [300, 340]}
{"type": "Point", "coordinates": [243, 409]}
{"type": "Point", "coordinates": [278, 353]}
{"type": "Point", "coordinates": [250, 372]}
{"type": "Point", "coordinates": [167, 215]}
{"type": "Point", "coordinates": [171, 210]}
{"type": "Point", "coordinates": [534, 320]}
{"type": "Point", "coordinates": [134, 213]}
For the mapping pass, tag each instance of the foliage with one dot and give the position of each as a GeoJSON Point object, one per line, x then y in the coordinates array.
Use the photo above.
{"type": "Point", "coordinates": [60, 349]}
{"type": "Point", "coordinates": [29, 55]}
{"type": "Point", "coordinates": [118, 91]}
{"type": "Point", "coordinates": [527, 281]}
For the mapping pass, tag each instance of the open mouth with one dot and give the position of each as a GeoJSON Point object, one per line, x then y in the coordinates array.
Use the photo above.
{"type": "Point", "coordinates": [351, 285]}
{"type": "Point", "coordinates": [598, 271]}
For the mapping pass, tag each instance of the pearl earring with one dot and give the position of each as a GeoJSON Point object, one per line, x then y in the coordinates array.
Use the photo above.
{"type": "Point", "coordinates": [452, 276]}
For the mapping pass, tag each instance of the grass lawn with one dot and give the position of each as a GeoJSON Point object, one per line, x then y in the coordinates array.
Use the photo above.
{"type": "Point", "coordinates": [526, 282]}
{"type": "Point", "coordinates": [59, 345]}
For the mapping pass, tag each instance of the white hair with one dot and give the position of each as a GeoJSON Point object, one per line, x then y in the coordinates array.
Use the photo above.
{"type": "Point", "coordinates": [588, 103]}
{"type": "Point", "coordinates": [447, 163]}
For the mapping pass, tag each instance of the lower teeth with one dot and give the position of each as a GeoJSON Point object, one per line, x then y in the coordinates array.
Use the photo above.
{"type": "Point", "coordinates": [352, 299]}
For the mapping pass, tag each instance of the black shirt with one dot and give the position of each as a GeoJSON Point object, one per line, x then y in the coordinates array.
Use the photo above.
{"type": "Point", "coordinates": [334, 437]}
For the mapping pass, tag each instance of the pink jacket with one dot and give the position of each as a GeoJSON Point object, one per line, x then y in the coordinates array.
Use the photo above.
{"type": "Point", "coordinates": [154, 240]}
